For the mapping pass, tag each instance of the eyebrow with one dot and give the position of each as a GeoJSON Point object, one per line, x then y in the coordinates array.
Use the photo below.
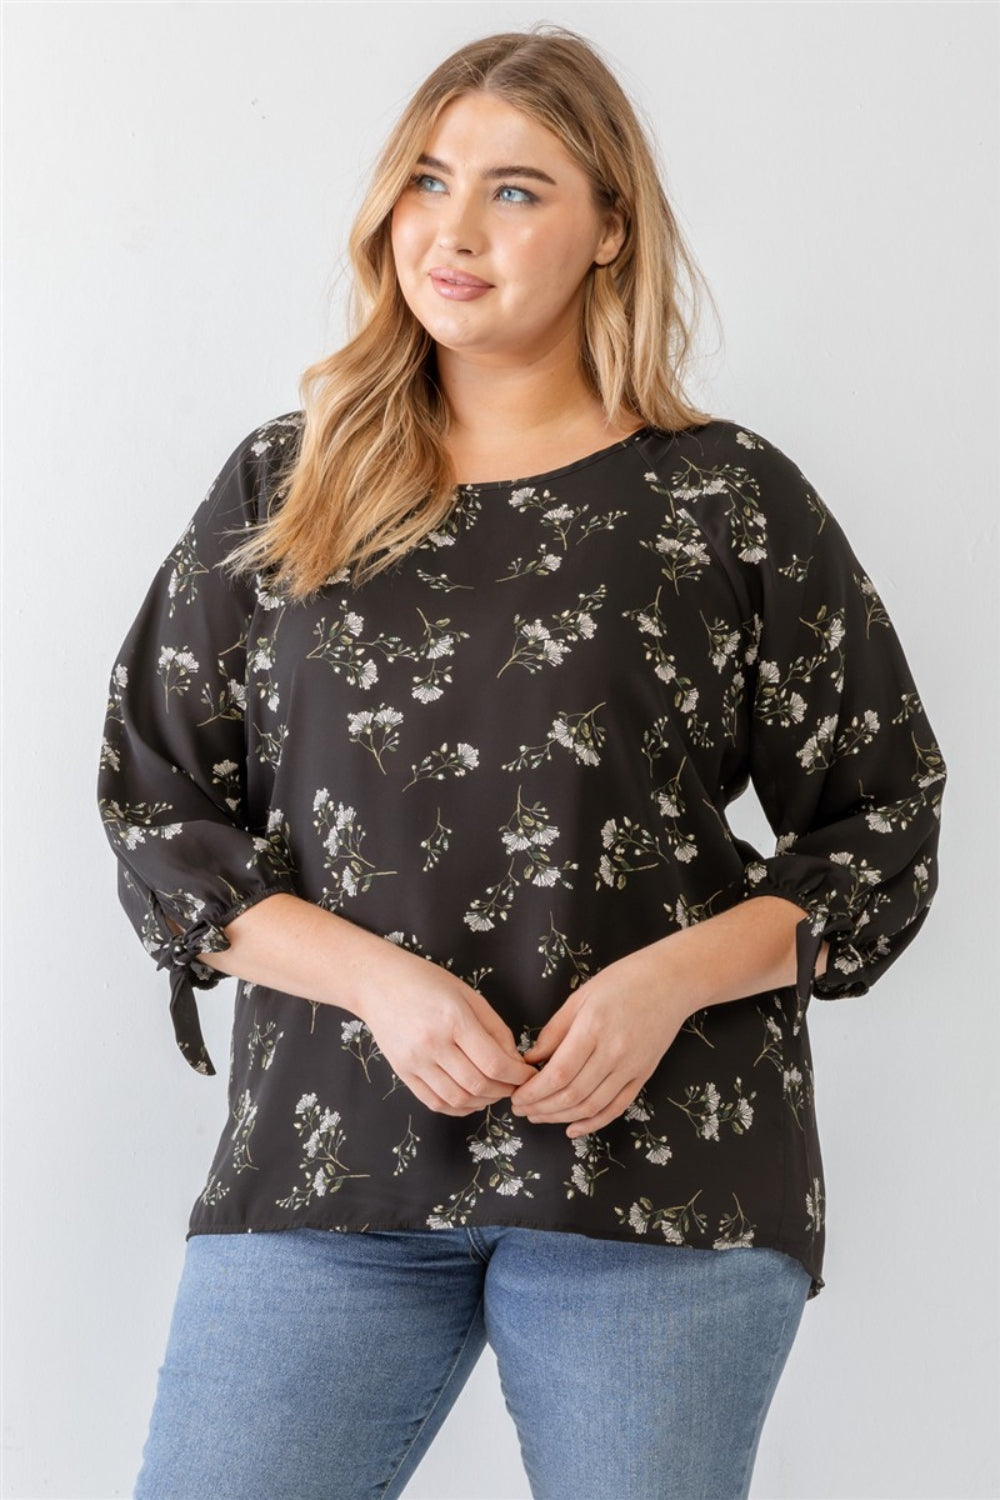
{"type": "Point", "coordinates": [491, 173]}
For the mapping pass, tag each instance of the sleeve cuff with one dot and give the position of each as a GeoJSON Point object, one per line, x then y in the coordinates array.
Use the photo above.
{"type": "Point", "coordinates": [812, 883]}
{"type": "Point", "coordinates": [180, 955]}
{"type": "Point", "coordinates": [178, 952]}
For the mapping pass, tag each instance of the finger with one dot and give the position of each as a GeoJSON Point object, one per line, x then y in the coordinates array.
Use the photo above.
{"type": "Point", "coordinates": [596, 1083]}
{"type": "Point", "coordinates": [489, 1056]}
{"type": "Point", "coordinates": [554, 1030]}
{"type": "Point", "coordinates": [458, 1100]}
{"type": "Point", "coordinates": [429, 1097]}
{"type": "Point", "coordinates": [570, 1095]}
{"type": "Point", "coordinates": [556, 1076]}
{"type": "Point", "coordinates": [495, 1027]}
{"type": "Point", "coordinates": [467, 1082]}
{"type": "Point", "coordinates": [611, 1111]}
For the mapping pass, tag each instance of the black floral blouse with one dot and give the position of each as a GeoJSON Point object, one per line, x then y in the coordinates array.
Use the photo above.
{"type": "Point", "coordinates": [512, 753]}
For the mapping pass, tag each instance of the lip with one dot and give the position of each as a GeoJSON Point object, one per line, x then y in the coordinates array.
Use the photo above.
{"type": "Point", "coordinates": [458, 278]}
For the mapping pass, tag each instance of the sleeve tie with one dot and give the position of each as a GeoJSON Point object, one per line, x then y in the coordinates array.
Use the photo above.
{"type": "Point", "coordinates": [179, 955]}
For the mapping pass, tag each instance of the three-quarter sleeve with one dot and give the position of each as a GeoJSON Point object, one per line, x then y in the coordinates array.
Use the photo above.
{"type": "Point", "coordinates": [842, 756]}
{"type": "Point", "coordinates": [172, 780]}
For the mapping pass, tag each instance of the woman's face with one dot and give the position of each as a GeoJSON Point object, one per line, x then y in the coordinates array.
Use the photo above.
{"type": "Point", "coordinates": [497, 200]}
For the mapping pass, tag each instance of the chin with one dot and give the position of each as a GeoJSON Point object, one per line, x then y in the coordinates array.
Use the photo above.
{"type": "Point", "coordinates": [452, 334]}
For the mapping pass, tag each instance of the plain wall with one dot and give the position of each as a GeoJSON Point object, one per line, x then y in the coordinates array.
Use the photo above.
{"type": "Point", "coordinates": [179, 182]}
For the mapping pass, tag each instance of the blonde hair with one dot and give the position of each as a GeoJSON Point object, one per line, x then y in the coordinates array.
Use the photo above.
{"type": "Point", "coordinates": [371, 477]}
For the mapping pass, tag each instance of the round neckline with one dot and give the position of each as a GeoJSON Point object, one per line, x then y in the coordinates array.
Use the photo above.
{"type": "Point", "coordinates": [547, 474]}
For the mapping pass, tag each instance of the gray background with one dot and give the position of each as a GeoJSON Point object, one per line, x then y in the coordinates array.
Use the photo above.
{"type": "Point", "coordinates": [179, 181]}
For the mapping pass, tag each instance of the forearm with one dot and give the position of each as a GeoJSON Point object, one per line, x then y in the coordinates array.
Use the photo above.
{"type": "Point", "coordinates": [743, 951]}
{"type": "Point", "coordinates": [292, 945]}
{"type": "Point", "coordinates": [289, 944]}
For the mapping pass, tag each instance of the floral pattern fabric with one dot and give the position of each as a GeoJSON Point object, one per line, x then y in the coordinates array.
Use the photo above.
{"type": "Point", "coordinates": [512, 753]}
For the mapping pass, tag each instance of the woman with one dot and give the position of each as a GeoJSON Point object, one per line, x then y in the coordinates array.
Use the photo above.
{"type": "Point", "coordinates": [426, 731]}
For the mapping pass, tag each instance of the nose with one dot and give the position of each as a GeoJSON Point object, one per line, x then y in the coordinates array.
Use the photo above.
{"type": "Point", "coordinates": [460, 229]}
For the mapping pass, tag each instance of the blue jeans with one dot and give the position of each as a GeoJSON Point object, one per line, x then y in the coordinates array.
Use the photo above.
{"type": "Point", "coordinates": [311, 1363]}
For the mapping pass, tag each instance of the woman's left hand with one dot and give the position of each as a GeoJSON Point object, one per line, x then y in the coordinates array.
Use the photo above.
{"type": "Point", "coordinates": [601, 1045]}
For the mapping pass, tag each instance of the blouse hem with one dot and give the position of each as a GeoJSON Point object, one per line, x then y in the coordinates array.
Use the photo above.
{"type": "Point", "coordinates": [275, 1227]}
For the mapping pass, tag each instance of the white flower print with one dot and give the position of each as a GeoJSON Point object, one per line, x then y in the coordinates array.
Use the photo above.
{"type": "Point", "coordinates": [679, 1224]}
{"type": "Point", "coordinates": [638, 1219]}
{"type": "Point", "coordinates": [443, 761]}
{"type": "Point", "coordinates": [342, 647]}
{"type": "Point", "coordinates": [342, 835]}
{"type": "Point", "coordinates": [175, 669]}
{"type": "Point", "coordinates": [493, 1143]}
{"type": "Point", "coordinates": [376, 730]}
{"type": "Point", "coordinates": [707, 1112]}
{"type": "Point", "coordinates": [529, 832]}
{"type": "Point", "coordinates": [537, 644]}
{"type": "Point", "coordinates": [816, 750]}
{"type": "Point", "coordinates": [322, 1138]}
{"type": "Point", "coordinates": [735, 1229]}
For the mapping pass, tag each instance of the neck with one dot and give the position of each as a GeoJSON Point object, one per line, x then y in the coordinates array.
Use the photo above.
{"type": "Point", "coordinates": [490, 398]}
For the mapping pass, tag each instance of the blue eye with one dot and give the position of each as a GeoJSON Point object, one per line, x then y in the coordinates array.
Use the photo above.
{"type": "Point", "coordinates": [525, 197]}
{"type": "Point", "coordinates": [419, 178]}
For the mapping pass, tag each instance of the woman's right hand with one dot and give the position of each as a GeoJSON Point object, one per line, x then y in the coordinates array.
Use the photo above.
{"type": "Point", "coordinates": [439, 1035]}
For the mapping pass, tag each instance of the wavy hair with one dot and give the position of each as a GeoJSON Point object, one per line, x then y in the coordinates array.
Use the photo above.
{"type": "Point", "coordinates": [370, 476]}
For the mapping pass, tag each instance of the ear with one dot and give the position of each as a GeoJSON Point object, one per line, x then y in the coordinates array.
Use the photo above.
{"type": "Point", "coordinates": [612, 239]}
